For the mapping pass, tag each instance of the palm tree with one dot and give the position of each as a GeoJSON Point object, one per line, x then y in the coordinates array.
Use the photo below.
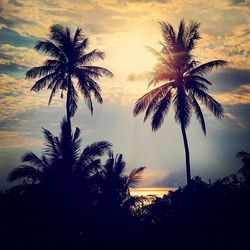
{"type": "Point", "coordinates": [183, 83]}
{"type": "Point", "coordinates": [68, 61]}
{"type": "Point", "coordinates": [61, 162]}
{"type": "Point", "coordinates": [115, 184]}
{"type": "Point", "coordinates": [245, 169]}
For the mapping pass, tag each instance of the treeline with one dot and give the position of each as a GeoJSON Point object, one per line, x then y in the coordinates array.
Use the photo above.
{"type": "Point", "coordinates": [64, 212]}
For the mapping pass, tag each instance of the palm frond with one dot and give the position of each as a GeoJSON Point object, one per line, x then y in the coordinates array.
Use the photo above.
{"type": "Point", "coordinates": [87, 84]}
{"type": "Point", "coordinates": [91, 56]}
{"type": "Point", "coordinates": [207, 67]}
{"type": "Point", "coordinates": [196, 78]}
{"type": "Point", "coordinates": [51, 49]}
{"type": "Point", "coordinates": [214, 106]}
{"type": "Point", "coordinates": [143, 102]}
{"type": "Point", "coordinates": [168, 34]}
{"type": "Point", "coordinates": [153, 104]}
{"type": "Point", "coordinates": [191, 66]}
{"type": "Point", "coordinates": [59, 33]}
{"type": "Point", "coordinates": [192, 35]}
{"type": "Point", "coordinates": [86, 92]}
{"type": "Point", "coordinates": [198, 113]}
{"type": "Point", "coordinates": [78, 37]}
{"type": "Point", "coordinates": [34, 160]}
{"type": "Point", "coordinates": [77, 134]}
{"type": "Point", "coordinates": [72, 98]}
{"type": "Point", "coordinates": [39, 71]}
{"type": "Point", "coordinates": [134, 177]}
{"type": "Point", "coordinates": [182, 107]}
{"type": "Point", "coordinates": [95, 88]}
{"type": "Point", "coordinates": [42, 83]}
{"type": "Point", "coordinates": [164, 59]}
{"type": "Point", "coordinates": [52, 144]}
{"type": "Point", "coordinates": [83, 45]}
{"type": "Point", "coordinates": [24, 172]}
{"type": "Point", "coordinates": [161, 110]}
{"type": "Point", "coordinates": [95, 149]}
{"type": "Point", "coordinates": [181, 33]}
{"type": "Point", "coordinates": [100, 70]}
{"type": "Point", "coordinates": [160, 74]}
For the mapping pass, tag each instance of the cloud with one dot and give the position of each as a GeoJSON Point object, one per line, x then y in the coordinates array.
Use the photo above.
{"type": "Point", "coordinates": [240, 2]}
{"type": "Point", "coordinates": [228, 79]}
{"type": "Point", "coordinates": [12, 37]}
{"type": "Point", "coordinates": [16, 3]}
{"type": "Point", "coordinates": [14, 70]}
{"type": "Point", "coordinates": [138, 76]}
{"type": "Point", "coordinates": [16, 97]}
{"type": "Point", "coordinates": [16, 139]}
{"type": "Point", "coordinates": [174, 179]}
{"type": "Point", "coordinates": [240, 95]}
{"type": "Point", "coordinates": [20, 56]}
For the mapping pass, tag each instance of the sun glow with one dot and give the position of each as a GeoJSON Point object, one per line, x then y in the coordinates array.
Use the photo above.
{"type": "Point", "coordinates": [131, 53]}
{"type": "Point", "coordinates": [159, 192]}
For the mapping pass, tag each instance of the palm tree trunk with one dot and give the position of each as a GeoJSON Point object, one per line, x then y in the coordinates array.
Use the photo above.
{"type": "Point", "coordinates": [188, 169]}
{"type": "Point", "coordinates": [68, 107]}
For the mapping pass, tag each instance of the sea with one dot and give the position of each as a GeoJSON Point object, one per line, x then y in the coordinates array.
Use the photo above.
{"type": "Point", "coordinates": [159, 192]}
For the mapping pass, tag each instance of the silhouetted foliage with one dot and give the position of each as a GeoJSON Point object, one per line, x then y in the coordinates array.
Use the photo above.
{"type": "Point", "coordinates": [183, 82]}
{"type": "Point", "coordinates": [245, 170]}
{"type": "Point", "coordinates": [114, 183]}
{"type": "Point", "coordinates": [200, 215]}
{"type": "Point", "coordinates": [61, 162]}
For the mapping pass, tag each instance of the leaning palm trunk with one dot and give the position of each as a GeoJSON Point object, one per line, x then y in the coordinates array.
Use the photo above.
{"type": "Point", "coordinates": [188, 168]}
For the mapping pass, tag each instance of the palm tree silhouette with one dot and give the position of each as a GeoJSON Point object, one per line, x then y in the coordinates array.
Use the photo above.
{"type": "Point", "coordinates": [69, 61]}
{"type": "Point", "coordinates": [61, 162]}
{"type": "Point", "coordinates": [115, 184]}
{"type": "Point", "coordinates": [245, 169]}
{"type": "Point", "coordinates": [183, 83]}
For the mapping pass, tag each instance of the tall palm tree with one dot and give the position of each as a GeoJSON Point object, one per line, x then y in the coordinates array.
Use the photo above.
{"type": "Point", "coordinates": [61, 162]}
{"type": "Point", "coordinates": [115, 184]}
{"type": "Point", "coordinates": [69, 60]}
{"type": "Point", "coordinates": [182, 83]}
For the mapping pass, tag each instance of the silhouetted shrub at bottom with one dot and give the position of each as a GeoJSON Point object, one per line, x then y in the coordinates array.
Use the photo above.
{"type": "Point", "coordinates": [197, 216]}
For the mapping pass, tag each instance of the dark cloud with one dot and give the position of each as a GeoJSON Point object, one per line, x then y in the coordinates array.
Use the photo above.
{"type": "Point", "coordinates": [229, 79]}
{"type": "Point", "coordinates": [175, 179]}
{"type": "Point", "coordinates": [16, 3]}
{"type": "Point", "coordinates": [8, 36]}
{"type": "Point", "coordinates": [242, 112]}
{"type": "Point", "coordinates": [13, 22]}
{"type": "Point", "coordinates": [15, 70]}
{"type": "Point", "coordinates": [239, 2]}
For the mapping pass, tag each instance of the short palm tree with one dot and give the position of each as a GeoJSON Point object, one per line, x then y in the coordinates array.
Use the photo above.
{"type": "Point", "coordinates": [68, 61]}
{"type": "Point", "coordinates": [182, 83]}
{"type": "Point", "coordinates": [115, 184]}
{"type": "Point", "coordinates": [61, 163]}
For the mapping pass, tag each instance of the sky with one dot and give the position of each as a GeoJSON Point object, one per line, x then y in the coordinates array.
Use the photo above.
{"type": "Point", "coordinates": [123, 29]}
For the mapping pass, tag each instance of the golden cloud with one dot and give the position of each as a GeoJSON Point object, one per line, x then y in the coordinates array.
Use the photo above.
{"type": "Point", "coordinates": [16, 96]}
{"type": "Point", "coordinates": [16, 139]}
{"type": "Point", "coordinates": [239, 96]}
{"type": "Point", "coordinates": [19, 55]}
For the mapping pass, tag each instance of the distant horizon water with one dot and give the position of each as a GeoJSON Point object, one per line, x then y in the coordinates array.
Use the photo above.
{"type": "Point", "coordinates": [145, 191]}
